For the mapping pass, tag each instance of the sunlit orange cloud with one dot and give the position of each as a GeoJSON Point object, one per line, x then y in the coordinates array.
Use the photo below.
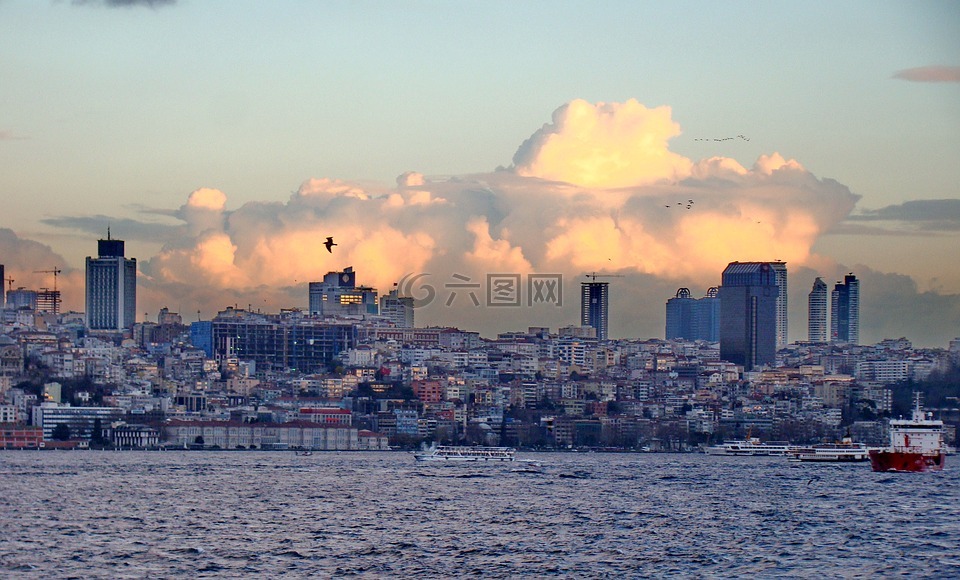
{"type": "Point", "coordinates": [595, 190]}
{"type": "Point", "coordinates": [489, 255]}
{"type": "Point", "coordinates": [607, 145]}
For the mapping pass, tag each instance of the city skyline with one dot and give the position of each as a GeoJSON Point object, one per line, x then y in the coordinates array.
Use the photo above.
{"type": "Point", "coordinates": [677, 148]}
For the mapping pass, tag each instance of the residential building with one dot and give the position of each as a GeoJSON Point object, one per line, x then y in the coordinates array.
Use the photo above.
{"type": "Point", "coordinates": [397, 309]}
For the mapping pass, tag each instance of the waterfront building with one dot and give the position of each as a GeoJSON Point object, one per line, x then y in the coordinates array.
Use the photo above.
{"type": "Point", "coordinates": [845, 311]}
{"type": "Point", "coordinates": [339, 295]}
{"type": "Point", "coordinates": [594, 306]}
{"type": "Point", "coordinates": [111, 289]}
{"type": "Point", "coordinates": [79, 420]}
{"type": "Point", "coordinates": [748, 313]}
{"type": "Point", "coordinates": [817, 312]}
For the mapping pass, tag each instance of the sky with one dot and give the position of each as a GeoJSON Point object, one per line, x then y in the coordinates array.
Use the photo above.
{"type": "Point", "coordinates": [441, 143]}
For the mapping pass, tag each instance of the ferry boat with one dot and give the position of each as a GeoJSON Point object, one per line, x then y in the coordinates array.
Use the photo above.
{"type": "Point", "coordinates": [845, 451]}
{"type": "Point", "coordinates": [916, 444]}
{"type": "Point", "coordinates": [464, 454]}
{"type": "Point", "coordinates": [751, 447]}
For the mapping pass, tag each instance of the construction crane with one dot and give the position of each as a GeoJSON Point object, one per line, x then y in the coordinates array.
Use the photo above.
{"type": "Point", "coordinates": [55, 272]}
{"type": "Point", "coordinates": [9, 282]}
{"type": "Point", "coordinates": [595, 275]}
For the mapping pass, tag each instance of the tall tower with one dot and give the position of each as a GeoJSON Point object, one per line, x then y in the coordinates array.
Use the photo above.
{"type": "Point", "coordinates": [706, 316]}
{"type": "Point", "coordinates": [748, 313]}
{"type": "Point", "coordinates": [817, 312]}
{"type": "Point", "coordinates": [3, 288]}
{"type": "Point", "coordinates": [111, 287]}
{"type": "Point", "coordinates": [780, 269]}
{"type": "Point", "coordinates": [680, 316]}
{"type": "Point", "coordinates": [594, 306]}
{"type": "Point", "coordinates": [845, 311]}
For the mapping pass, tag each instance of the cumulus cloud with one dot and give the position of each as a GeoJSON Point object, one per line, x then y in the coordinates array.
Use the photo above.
{"type": "Point", "coordinates": [597, 189]}
{"type": "Point", "coordinates": [930, 74]}
{"type": "Point", "coordinates": [23, 260]}
{"type": "Point", "coordinates": [604, 145]}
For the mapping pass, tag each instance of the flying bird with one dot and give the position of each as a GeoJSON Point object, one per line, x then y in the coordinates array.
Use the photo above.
{"type": "Point", "coordinates": [329, 244]}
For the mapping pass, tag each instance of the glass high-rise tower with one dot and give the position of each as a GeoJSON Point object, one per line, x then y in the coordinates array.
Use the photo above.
{"type": "Point", "coordinates": [817, 312]}
{"type": "Point", "coordinates": [845, 311]}
{"type": "Point", "coordinates": [111, 293]}
{"type": "Point", "coordinates": [748, 313]}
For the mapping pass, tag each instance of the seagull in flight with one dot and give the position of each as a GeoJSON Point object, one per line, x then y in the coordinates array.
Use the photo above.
{"type": "Point", "coordinates": [329, 244]}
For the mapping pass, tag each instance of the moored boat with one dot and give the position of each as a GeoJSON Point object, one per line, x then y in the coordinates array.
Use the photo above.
{"type": "Point", "coordinates": [916, 444]}
{"type": "Point", "coordinates": [466, 454]}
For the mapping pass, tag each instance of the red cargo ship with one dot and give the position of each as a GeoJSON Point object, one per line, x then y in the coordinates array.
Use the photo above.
{"type": "Point", "coordinates": [916, 444]}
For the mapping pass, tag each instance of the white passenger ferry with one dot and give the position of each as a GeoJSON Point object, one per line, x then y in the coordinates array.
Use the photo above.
{"type": "Point", "coordinates": [454, 453]}
{"type": "Point", "coordinates": [846, 451]}
{"type": "Point", "coordinates": [751, 447]}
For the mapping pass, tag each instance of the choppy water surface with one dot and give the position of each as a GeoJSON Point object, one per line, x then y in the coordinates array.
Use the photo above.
{"type": "Point", "coordinates": [227, 514]}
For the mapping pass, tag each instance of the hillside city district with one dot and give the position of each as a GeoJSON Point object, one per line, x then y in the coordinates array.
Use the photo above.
{"type": "Point", "coordinates": [354, 373]}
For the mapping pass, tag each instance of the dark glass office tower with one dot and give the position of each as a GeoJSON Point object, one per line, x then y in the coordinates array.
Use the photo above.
{"type": "Point", "coordinates": [748, 314]}
{"type": "Point", "coordinates": [111, 290]}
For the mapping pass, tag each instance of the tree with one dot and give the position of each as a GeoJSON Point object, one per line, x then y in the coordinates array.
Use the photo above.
{"type": "Point", "coordinates": [61, 432]}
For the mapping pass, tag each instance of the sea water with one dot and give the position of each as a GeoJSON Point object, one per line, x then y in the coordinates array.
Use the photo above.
{"type": "Point", "coordinates": [96, 514]}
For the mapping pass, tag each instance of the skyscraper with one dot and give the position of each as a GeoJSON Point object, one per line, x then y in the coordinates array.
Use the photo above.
{"type": "Point", "coordinates": [3, 288]}
{"type": "Point", "coordinates": [845, 311]}
{"type": "Point", "coordinates": [780, 268]}
{"type": "Point", "coordinates": [594, 307]}
{"type": "Point", "coordinates": [693, 319]}
{"type": "Point", "coordinates": [748, 313]}
{"type": "Point", "coordinates": [680, 316]}
{"type": "Point", "coordinates": [111, 287]}
{"type": "Point", "coordinates": [817, 312]}
{"type": "Point", "coordinates": [706, 316]}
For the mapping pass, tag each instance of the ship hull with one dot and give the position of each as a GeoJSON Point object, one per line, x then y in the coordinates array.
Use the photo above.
{"type": "Point", "coordinates": [906, 462]}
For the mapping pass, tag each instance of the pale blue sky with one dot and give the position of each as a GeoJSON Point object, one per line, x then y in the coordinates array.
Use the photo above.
{"type": "Point", "coordinates": [104, 108]}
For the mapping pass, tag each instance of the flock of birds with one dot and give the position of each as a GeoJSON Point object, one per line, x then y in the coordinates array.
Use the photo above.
{"type": "Point", "coordinates": [688, 204]}
{"type": "Point", "coordinates": [723, 138]}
